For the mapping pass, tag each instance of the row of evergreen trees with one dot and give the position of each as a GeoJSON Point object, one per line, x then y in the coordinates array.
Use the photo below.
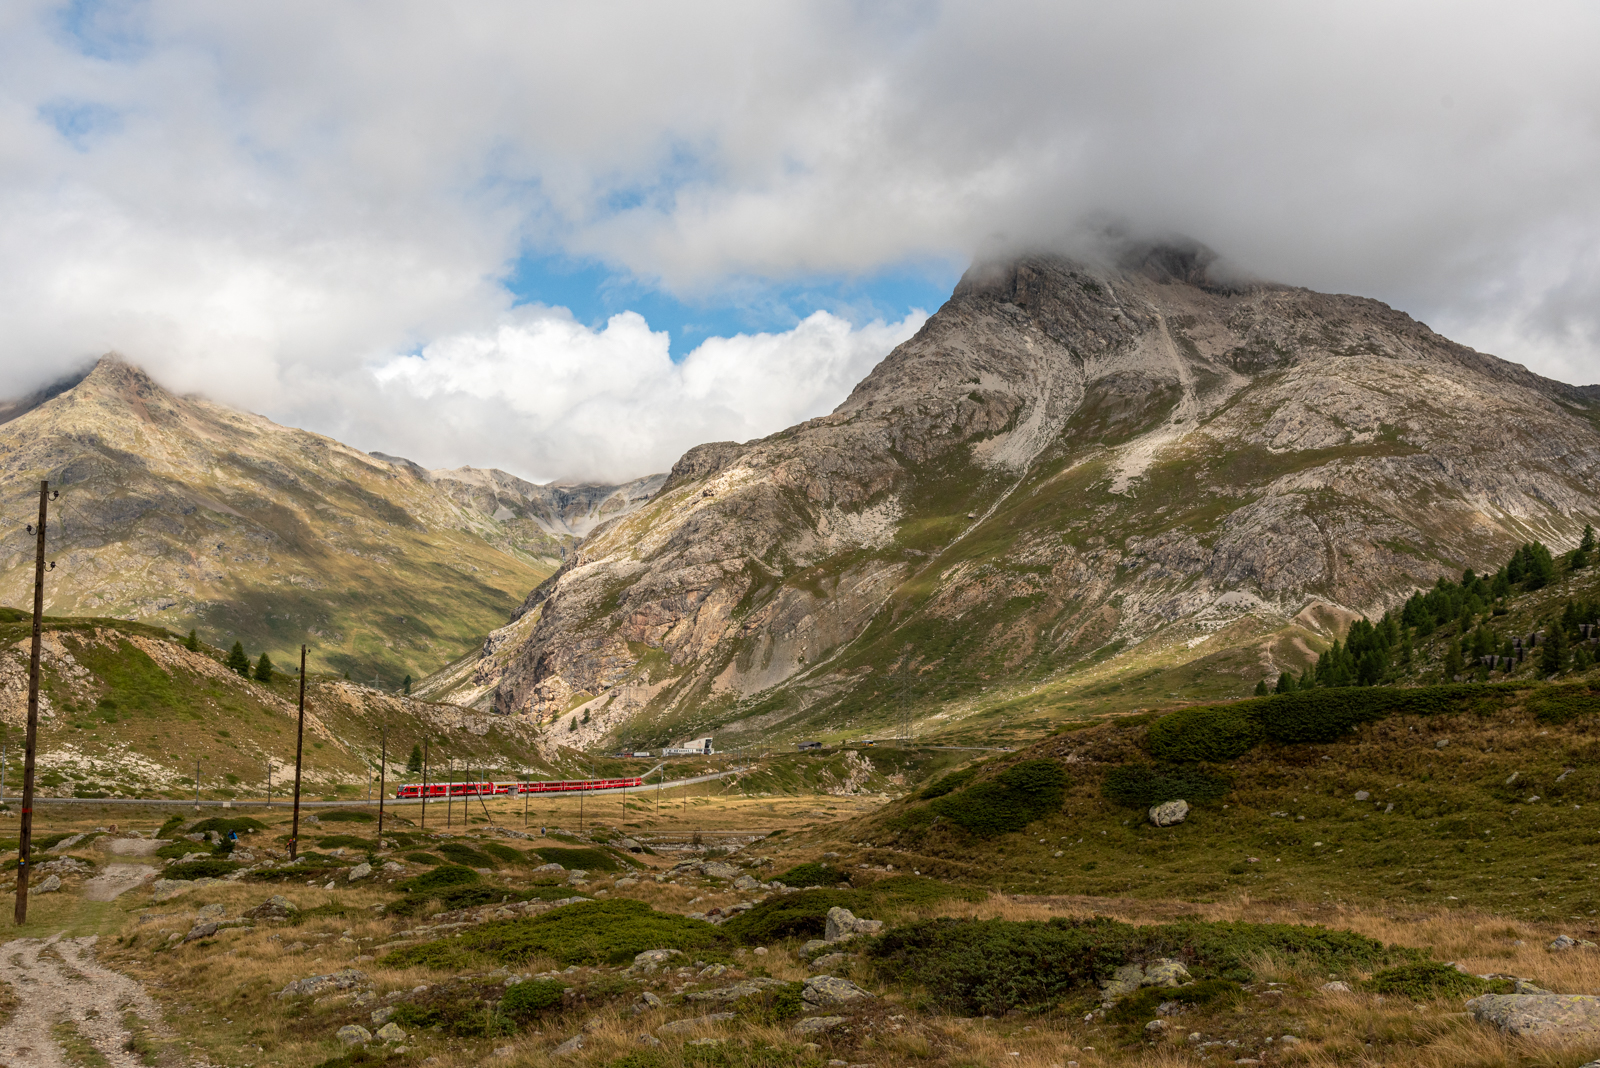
{"type": "Point", "coordinates": [1375, 653]}
{"type": "Point", "coordinates": [239, 661]}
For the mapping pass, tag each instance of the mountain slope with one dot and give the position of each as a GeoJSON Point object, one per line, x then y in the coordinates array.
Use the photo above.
{"type": "Point", "coordinates": [184, 513]}
{"type": "Point", "coordinates": [1073, 478]}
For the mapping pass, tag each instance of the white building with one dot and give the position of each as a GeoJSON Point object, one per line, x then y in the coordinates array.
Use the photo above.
{"type": "Point", "coordinates": [698, 747]}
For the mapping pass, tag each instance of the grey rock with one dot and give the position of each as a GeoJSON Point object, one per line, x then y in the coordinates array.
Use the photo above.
{"type": "Point", "coordinates": [815, 945]}
{"type": "Point", "coordinates": [201, 930]}
{"type": "Point", "coordinates": [548, 869]}
{"type": "Point", "coordinates": [212, 911]}
{"type": "Point", "coordinates": [823, 991]}
{"type": "Point", "coordinates": [167, 889]}
{"type": "Point", "coordinates": [1156, 1026]}
{"type": "Point", "coordinates": [746, 882]}
{"type": "Point", "coordinates": [360, 871]}
{"type": "Point", "coordinates": [1522, 986]}
{"type": "Point", "coordinates": [1169, 813]}
{"type": "Point", "coordinates": [381, 1016]}
{"type": "Point", "coordinates": [647, 1002]}
{"type": "Point", "coordinates": [569, 1047]}
{"type": "Point", "coordinates": [50, 885]}
{"type": "Point", "coordinates": [647, 1039]}
{"type": "Point", "coordinates": [630, 845]}
{"type": "Point", "coordinates": [1542, 1015]}
{"type": "Point", "coordinates": [394, 867]}
{"type": "Point", "coordinates": [1563, 942]}
{"type": "Point", "coordinates": [344, 979]}
{"type": "Point", "coordinates": [717, 870]}
{"type": "Point", "coordinates": [689, 1026]}
{"type": "Point", "coordinates": [829, 962]}
{"type": "Point", "coordinates": [1124, 981]}
{"type": "Point", "coordinates": [1164, 973]}
{"type": "Point", "coordinates": [1336, 987]}
{"type": "Point", "coordinates": [391, 1033]}
{"type": "Point", "coordinates": [1362, 795]}
{"type": "Point", "coordinates": [736, 991]}
{"type": "Point", "coordinates": [276, 907]}
{"type": "Point", "coordinates": [816, 1025]}
{"type": "Point", "coordinates": [353, 1034]}
{"type": "Point", "coordinates": [843, 924]}
{"type": "Point", "coordinates": [625, 883]}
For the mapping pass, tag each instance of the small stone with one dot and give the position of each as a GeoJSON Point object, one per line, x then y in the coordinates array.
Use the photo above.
{"type": "Point", "coordinates": [353, 1034]}
{"type": "Point", "coordinates": [647, 1002]}
{"type": "Point", "coordinates": [814, 1025]}
{"type": "Point", "coordinates": [212, 912]}
{"type": "Point", "coordinates": [360, 871]}
{"type": "Point", "coordinates": [1156, 1027]}
{"type": "Point", "coordinates": [1563, 942]}
{"type": "Point", "coordinates": [567, 1048]}
{"type": "Point", "coordinates": [760, 951]}
{"type": "Point", "coordinates": [505, 1051]}
{"type": "Point", "coordinates": [51, 884]}
{"type": "Point", "coordinates": [829, 962]}
{"type": "Point", "coordinates": [1169, 813]}
{"type": "Point", "coordinates": [718, 870]}
{"type": "Point", "coordinates": [647, 1039]}
{"type": "Point", "coordinates": [391, 1033]}
{"type": "Point", "coordinates": [1289, 1040]}
{"type": "Point", "coordinates": [1522, 986]}
{"type": "Point", "coordinates": [625, 883]}
{"type": "Point", "coordinates": [1362, 795]}
{"type": "Point", "coordinates": [1442, 743]}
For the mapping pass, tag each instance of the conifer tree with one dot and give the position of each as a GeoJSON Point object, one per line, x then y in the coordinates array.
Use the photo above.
{"type": "Point", "coordinates": [264, 668]}
{"type": "Point", "coordinates": [1261, 687]}
{"type": "Point", "coordinates": [1580, 555]}
{"type": "Point", "coordinates": [237, 660]}
{"type": "Point", "coordinates": [1452, 661]}
{"type": "Point", "coordinates": [1554, 660]}
{"type": "Point", "coordinates": [414, 762]}
{"type": "Point", "coordinates": [192, 642]}
{"type": "Point", "coordinates": [405, 687]}
{"type": "Point", "coordinates": [1286, 683]}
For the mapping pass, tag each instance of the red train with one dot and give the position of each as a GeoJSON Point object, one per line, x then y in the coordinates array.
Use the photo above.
{"type": "Point", "coordinates": [484, 789]}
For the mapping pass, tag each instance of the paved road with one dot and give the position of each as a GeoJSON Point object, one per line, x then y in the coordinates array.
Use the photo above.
{"type": "Point", "coordinates": [285, 803]}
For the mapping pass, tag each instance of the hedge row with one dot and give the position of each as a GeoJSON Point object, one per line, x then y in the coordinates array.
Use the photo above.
{"type": "Point", "coordinates": [1225, 732]}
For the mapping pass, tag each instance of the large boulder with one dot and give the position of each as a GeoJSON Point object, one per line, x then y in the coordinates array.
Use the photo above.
{"type": "Point", "coordinates": [51, 884]}
{"type": "Point", "coordinates": [344, 979]}
{"type": "Point", "coordinates": [276, 907]}
{"type": "Point", "coordinates": [353, 1034]}
{"type": "Point", "coordinates": [823, 991]}
{"type": "Point", "coordinates": [842, 924]}
{"type": "Point", "coordinates": [1169, 812]}
{"type": "Point", "coordinates": [1543, 1015]}
{"type": "Point", "coordinates": [717, 870]}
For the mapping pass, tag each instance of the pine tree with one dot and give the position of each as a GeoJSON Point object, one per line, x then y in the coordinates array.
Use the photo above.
{"type": "Point", "coordinates": [192, 642]}
{"type": "Point", "coordinates": [1554, 661]}
{"type": "Point", "coordinates": [1261, 687]}
{"type": "Point", "coordinates": [237, 660]}
{"type": "Point", "coordinates": [586, 715]}
{"type": "Point", "coordinates": [414, 762]}
{"type": "Point", "coordinates": [1580, 555]}
{"type": "Point", "coordinates": [1286, 683]}
{"type": "Point", "coordinates": [405, 687]}
{"type": "Point", "coordinates": [264, 668]}
{"type": "Point", "coordinates": [573, 725]}
{"type": "Point", "coordinates": [1452, 661]}
{"type": "Point", "coordinates": [1540, 566]}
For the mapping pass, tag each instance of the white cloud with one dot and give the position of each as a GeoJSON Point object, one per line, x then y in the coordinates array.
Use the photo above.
{"type": "Point", "coordinates": [262, 201]}
{"type": "Point", "coordinates": [571, 401]}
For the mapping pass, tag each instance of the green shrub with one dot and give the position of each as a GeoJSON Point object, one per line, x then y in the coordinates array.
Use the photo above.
{"type": "Point", "coordinates": [1141, 1007]}
{"type": "Point", "coordinates": [441, 878]}
{"type": "Point", "coordinates": [799, 915]}
{"type": "Point", "coordinates": [200, 869]}
{"type": "Point", "coordinates": [525, 1000]}
{"type": "Point", "coordinates": [773, 1005]}
{"type": "Point", "coordinates": [976, 967]}
{"type": "Point", "coordinates": [582, 859]}
{"type": "Point", "coordinates": [226, 825]}
{"type": "Point", "coordinates": [1428, 979]}
{"type": "Point", "coordinates": [333, 910]}
{"type": "Point", "coordinates": [594, 932]}
{"type": "Point", "coordinates": [916, 890]}
{"type": "Point", "coordinates": [1216, 733]}
{"type": "Point", "coordinates": [347, 816]}
{"type": "Point", "coordinates": [172, 826]}
{"type": "Point", "coordinates": [1008, 802]}
{"type": "Point", "coordinates": [504, 853]}
{"type": "Point", "coordinates": [1142, 785]}
{"type": "Point", "coordinates": [461, 853]}
{"type": "Point", "coordinates": [1559, 704]}
{"type": "Point", "coordinates": [423, 858]}
{"type": "Point", "coordinates": [344, 841]}
{"type": "Point", "coordinates": [953, 781]}
{"type": "Point", "coordinates": [454, 1012]}
{"type": "Point", "coordinates": [803, 875]}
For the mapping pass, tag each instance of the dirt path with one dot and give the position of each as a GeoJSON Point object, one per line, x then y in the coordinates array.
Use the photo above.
{"type": "Point", "coordinates": [56, 980]}
{"type": "Point", "coordinates": [117, 879]}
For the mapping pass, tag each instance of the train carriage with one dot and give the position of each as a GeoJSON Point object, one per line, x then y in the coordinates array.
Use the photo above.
{"type": "Point", "coordinates": [485, 789]}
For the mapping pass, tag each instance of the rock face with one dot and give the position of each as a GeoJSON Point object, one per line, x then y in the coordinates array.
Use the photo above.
{"type": "Point", "coordinates": [1065, 461]}
{"type": "Point", "coordinates": [1546, 1015]}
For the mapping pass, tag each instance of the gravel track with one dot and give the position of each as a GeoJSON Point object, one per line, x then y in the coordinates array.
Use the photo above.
{"type": "Point", "coordinates": [57, 979]}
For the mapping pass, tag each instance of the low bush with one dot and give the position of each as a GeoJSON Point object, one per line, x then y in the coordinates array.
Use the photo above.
{"type": "Point", "coordinates": [1428, 979]}
{"type": "Point", "coordinates": [1559, 704]}
{"type": "Point", "coordinates": [990, 967]}
{"type": "Point", "coordinates": [332, 910]}
{"type": "Point", "coordinates": [172, 826]}
{"type": "Point", "coordinates": [1142, 785]}
{"type": "Point", "coordinates": [347, 816]}
{"type": "Point", "coordinates": [1141, 1007]}
{"type": "Point", "coordinates": [1215, 733]}
{"type": "Point", "coordinates": [455, 1012]}
{"type": "Point", "coordinates": [582, 859]}
{"type": "Point", "coordinates": [200, 869]}
{"type": "Point", "coordinates": [504, 853]}
{"type": "Point", "coordinates": [799, 915]}
{"type": "Point", "coordinates": [226, 825]}
{"type": "Point", "coordinates": [423, 858]}
{"type": "Point", "coordinates": [440, 878]}
{"type": "Point", "coordinates": [594, 932]}
{"type": "Point", "coordinates": [943, 785]}
{"type": "Point", "coordinates": [773, 1005]}
{"type": "Point", "coordinates": [1008, 802]}
{"type": "Point", "coordinates": [804, 875]}
{"type": "Point", "coordinates": [344, 841]}
{"type": "Point", "coordinates": [461, 853]}
{"type": "Point", "coordinates": [525, 1000]}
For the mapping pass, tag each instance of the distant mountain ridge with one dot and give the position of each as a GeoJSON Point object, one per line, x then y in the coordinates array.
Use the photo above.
{"type": "Point", "coordinates": [183, 513]}
{"type": "Point", "coordinates": [1132, 477]}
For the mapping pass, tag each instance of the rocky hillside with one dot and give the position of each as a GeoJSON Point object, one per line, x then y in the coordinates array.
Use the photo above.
{"type": "Point", "coordinates": [1075, 480]}
{"type": "Point", "coordinates": [184, 513]}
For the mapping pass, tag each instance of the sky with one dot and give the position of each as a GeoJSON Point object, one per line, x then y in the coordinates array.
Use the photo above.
{"type": "Point", "coordinates": [573, 240]}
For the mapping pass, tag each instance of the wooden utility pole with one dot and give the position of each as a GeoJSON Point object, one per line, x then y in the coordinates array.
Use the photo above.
{"type": "Point", "coordinates": [424, 822]}
{"type": "Point", "coordinates": [299, 752]}
{"type": "Point", "coordinates": [383, 771]}
{"type": "Point", "coordinates": [31, 743]}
